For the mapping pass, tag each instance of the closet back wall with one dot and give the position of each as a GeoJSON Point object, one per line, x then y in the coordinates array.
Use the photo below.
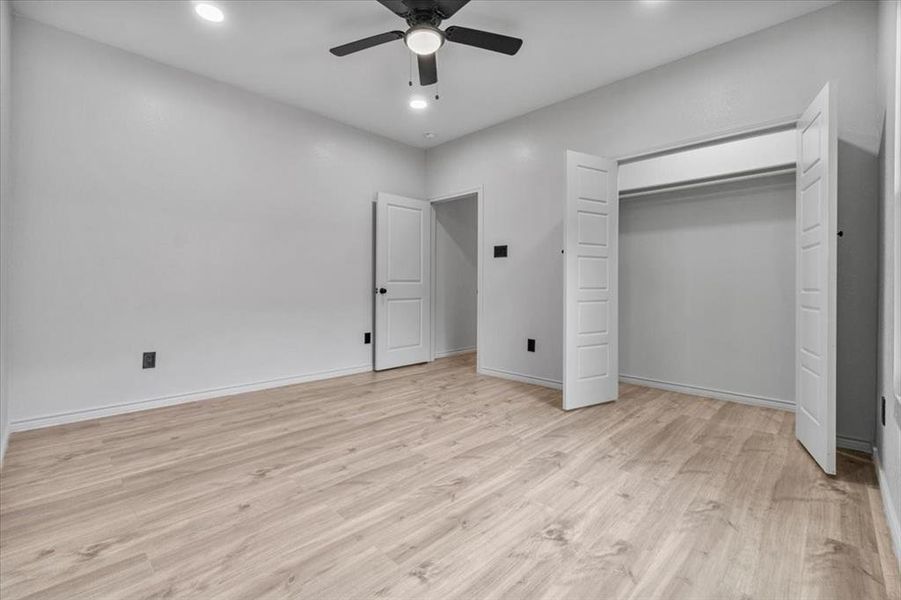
{"type": "Point", "coordinates": [707, 288]}
{"type": "Point", "coordinates": [158, 210]}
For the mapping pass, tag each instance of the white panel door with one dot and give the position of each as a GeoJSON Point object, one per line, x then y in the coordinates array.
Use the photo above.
{"type": "Point", "coordinates": [402, 264]}
{"type": "Point", "coordinates": [815, 316]}
{"type": "Point", "coordinates": [590, 230]}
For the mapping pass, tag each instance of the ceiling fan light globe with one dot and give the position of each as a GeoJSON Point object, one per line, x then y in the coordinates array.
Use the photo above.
{"type": "Point", "coordinates": [424, 40]}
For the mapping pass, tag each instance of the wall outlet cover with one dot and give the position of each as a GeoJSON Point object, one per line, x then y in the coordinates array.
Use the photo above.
{"type": "Point", "coordinates": [149, 360]}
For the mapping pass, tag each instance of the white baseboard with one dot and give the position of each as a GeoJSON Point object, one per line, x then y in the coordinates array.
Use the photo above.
{"type": "Point", "coordinates": [4, 441]}
{"type": "Point", "coordinates": [710, 393]}
{"type": "Point", "coordinates": [891, 516]}
{"type": "Point", "coordinates": [446, 353]}
{"type": "Point", "coordinates": [848, 443]}
{"type": "Point", "coordinates": [159, 402]}
{"type": "Point", "coordinates": [513, 376]}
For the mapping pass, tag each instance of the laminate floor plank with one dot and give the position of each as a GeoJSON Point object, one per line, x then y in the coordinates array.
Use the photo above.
{"type": "Point", "coordinates": [432, 481]}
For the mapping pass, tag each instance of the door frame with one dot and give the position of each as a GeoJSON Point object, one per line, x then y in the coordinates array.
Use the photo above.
{"type": "Point", "coordinates": [479, 194]}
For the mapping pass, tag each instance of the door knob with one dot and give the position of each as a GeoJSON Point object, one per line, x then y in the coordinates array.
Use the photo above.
{"type": "Point", "coordinates": [383, 291]}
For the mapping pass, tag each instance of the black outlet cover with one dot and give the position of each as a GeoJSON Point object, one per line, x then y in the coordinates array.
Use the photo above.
{"type": "Point", "coordinates": [500, 251]}
{"type": "Point", "coordinates": [367, 338]}
{"type": "Point", "coordinates": [149, 360]}
{"type": "Point", "coordinates": [530, 345]}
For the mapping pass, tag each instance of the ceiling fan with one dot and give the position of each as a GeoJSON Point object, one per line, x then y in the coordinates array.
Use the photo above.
{"type": "Point", "coordinates": [423, 37]}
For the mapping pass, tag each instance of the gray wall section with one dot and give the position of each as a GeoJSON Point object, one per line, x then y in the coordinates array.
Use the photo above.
{"type": "Point", "coordinates": [456, 274]}
{"type": "Point", "coordinates": [707, 283]}
{"type": "Point", "coordinates": [159, 210]}
{"type": "Point", "coordinates": [856, 295]}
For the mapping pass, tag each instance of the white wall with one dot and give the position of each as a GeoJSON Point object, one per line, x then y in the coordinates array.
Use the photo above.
{"type": "Point", "coordinates": [456, 274]}
{"type": "Point", "coordinates": [5, 199]}
{"type": "Point", "coordinates": [707, 284]}
{"type": "Point", "coordinates": [888, 437]}
{"type": "Point", "coordinates": [157, 210]}
{"type": "Point", "coordinates": [768, 76]}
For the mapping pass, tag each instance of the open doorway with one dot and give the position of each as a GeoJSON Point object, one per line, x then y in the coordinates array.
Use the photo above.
{"type": "Point", "coordinates": [455, 269]}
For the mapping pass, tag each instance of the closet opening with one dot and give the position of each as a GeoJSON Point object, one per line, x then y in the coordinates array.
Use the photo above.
{"type": "Point", "coordinates": [707, 288]}
{"type": "Point", "coordinates": [715, 267]}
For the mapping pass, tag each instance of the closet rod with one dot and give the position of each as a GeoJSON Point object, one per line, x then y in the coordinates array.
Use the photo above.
{"type": "Point", "coordinates": [770, 172]}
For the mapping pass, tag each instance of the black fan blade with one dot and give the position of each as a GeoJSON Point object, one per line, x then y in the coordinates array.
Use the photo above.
{"type": "Point", "coordinates": [398, 7]}
{"type": "Point", "coordinates": [428, 69]}
{"type": "Point", "coordinates": [483, 39]}
{"type": "Point", "coordinates": [447, 8]}
{"type": "Point", "coordinates": [369, 42]}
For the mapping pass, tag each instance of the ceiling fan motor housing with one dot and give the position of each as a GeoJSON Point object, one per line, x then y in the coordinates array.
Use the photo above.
{"type": "Point", "coordinates": [424, 38]}
{"type": "Point", "coordinates": [424, 17]}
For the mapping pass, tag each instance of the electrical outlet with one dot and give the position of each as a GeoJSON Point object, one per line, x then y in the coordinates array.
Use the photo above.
{"type": "Point", "coordinates": [530, 345]}
{"type": "Point", "coordinates": [149, 360]}
{"type": "Point", "coordinates": [367, 338]}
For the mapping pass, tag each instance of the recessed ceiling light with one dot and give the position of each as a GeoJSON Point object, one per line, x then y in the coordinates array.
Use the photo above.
{"type": "Point", "coordinates": [418, 103]}
{"type": "Point", "coordinates": [209, 12]}
{"type": "Point", "coordinates": [424, 39]}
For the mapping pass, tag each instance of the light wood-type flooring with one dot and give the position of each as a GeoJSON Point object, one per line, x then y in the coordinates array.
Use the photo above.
{"type": "Point", "coordinates": [433, 482]}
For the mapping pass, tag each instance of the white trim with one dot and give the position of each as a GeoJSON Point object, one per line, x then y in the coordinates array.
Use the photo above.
{"type": "Point", "coordinates": [4, 444]}
{"type": "Point", "coordinates": [750, 154]}
{"type": "Point", "coordinates": [734, 133]}
{"type": "Point", "coordinates": [514, 376]}
{"type": "Point", "coordinates": [150, 403]}
{"type": "Point", "coordinates": [849, 443]}
{"type": "Point", "coordinates": [891, 517]}
{"type": "Point", "coordinates": [896, 219]}
{"type": "Point", "coordinates": [716, 394]}
{"type": "Point", "coordinates": [446, 353]}
{"type": "Point", "coordinates": [480, 194]}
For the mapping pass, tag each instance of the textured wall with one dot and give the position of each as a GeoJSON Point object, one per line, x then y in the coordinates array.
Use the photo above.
{"type": "Point", "coordinates": [158, 210]}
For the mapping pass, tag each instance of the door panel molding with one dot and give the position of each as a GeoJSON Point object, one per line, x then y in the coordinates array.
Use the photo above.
{"type": "Point", "coordinates": [815, 279]}
{"type": "Point", "coordinates": [591, 254]}
{"type": "Point", "coordinates": [403, 326]}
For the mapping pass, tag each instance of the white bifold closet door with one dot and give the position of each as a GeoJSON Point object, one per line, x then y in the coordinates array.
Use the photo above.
{"type": "Point", "coordinates": [816, 280]}
{"type": "Point", "coordinates": [591, 238]}
{"type": "Point", "coordinates": [402, 277]}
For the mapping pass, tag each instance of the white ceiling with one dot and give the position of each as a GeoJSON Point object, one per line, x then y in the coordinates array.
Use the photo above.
{"type": "Point", "coordinates": [279, 49]}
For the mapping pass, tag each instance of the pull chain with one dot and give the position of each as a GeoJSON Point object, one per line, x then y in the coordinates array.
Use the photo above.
{"type": "Point", "coordinates": [410, 81]}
